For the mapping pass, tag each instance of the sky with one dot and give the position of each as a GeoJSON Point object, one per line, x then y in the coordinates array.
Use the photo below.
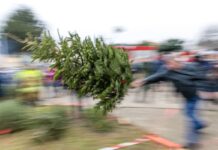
{"type": "Point", "coordinates": [152, 20]}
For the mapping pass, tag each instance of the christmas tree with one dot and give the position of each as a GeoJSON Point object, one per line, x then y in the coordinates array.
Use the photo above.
{"type": "Point", "coordinates": [86, 66]}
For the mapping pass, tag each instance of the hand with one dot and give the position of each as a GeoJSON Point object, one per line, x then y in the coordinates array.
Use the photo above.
{"type": "Point", "coordinates": [137, 83]}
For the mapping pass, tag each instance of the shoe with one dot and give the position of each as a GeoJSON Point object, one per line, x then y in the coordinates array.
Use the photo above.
{"type": "Point", "coordinates": [191, 146]}
{"type": "Point", "coordinates": [202, 127]}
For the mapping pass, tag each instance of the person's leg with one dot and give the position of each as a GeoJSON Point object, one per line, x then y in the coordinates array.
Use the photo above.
{"type": "Point", "coordinates": [194, 123]}
{"type": "Point", "coordinates": [55, 85]}
{"type": "Point", "coordinates": [192, 112]}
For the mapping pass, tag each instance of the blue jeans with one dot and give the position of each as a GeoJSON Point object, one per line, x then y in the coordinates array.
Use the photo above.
{"type": "Point", "coordinates": [194, 123]}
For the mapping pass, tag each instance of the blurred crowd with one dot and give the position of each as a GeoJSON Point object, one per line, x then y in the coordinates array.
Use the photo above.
{"type": "Point", "coordinates": [205, 63]}
{"type": "Point", "coordinates": [27, 81]}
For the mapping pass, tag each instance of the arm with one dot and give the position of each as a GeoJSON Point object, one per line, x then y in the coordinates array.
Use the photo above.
{"type": "Point", "coordinates": [159, 76]}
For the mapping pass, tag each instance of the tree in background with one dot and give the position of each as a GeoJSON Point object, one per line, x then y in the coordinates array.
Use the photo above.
{"type": "Point", "coordinates": [19, 23]}
{"type": "Point", "coordinates": [171, 45]}
{"type": "Point", "coordinates": [147, 43]}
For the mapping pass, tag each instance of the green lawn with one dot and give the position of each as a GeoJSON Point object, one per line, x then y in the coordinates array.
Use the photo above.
{"type": "Point", "coordinates": [78, 137]}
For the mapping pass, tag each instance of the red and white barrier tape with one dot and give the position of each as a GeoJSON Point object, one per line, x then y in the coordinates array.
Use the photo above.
{"type": "Point", "coordinates": [150, 137]}
{"type": "Point", "coordinates": [126, 144]}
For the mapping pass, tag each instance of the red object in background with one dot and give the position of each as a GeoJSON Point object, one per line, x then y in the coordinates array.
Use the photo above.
{"type": "Point", "coordinates": [136, 48]}
{"type": "Point", "coordinates": [5, 131]}
{"type": "Point", "coordinates": [185, 53]}
{"type": "Point", "coordinates": [192, 59]}
{"type": "Point", "coordinates": [163, 141]}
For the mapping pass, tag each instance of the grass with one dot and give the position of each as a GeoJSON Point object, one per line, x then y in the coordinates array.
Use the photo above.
{"type": "Point", "coordinates": [78, 137]}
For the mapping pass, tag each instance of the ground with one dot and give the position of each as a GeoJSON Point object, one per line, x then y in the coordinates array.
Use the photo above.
{"type": "Point", "coordinates": [79, 137]}
{"type": "Point", "coordinates": [159, 112]}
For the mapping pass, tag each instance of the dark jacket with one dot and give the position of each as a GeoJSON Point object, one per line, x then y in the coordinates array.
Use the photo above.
{"type": "Point", "coordinates": [184, 79]}
{"type": "Point", "coordinates": [156, 65]}
{"type": "Point", "coordinates": [204, 68]}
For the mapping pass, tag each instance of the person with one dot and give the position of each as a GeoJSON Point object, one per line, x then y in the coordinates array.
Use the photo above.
{"type": "Point", "coordinates": [29, 83]}
{"type": "Point", "coordinates": [48, 80]}
{"type": "Point", "coordinates": [183, 78]}
{"type": "Point", "coordinates": [205, 87]}
{"type": "Point", "coordinates": [58, 86]}
{"type": "Point", "coordinates": [214, 81]}
{"type": "Point", "coordinates": [2, 94]}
